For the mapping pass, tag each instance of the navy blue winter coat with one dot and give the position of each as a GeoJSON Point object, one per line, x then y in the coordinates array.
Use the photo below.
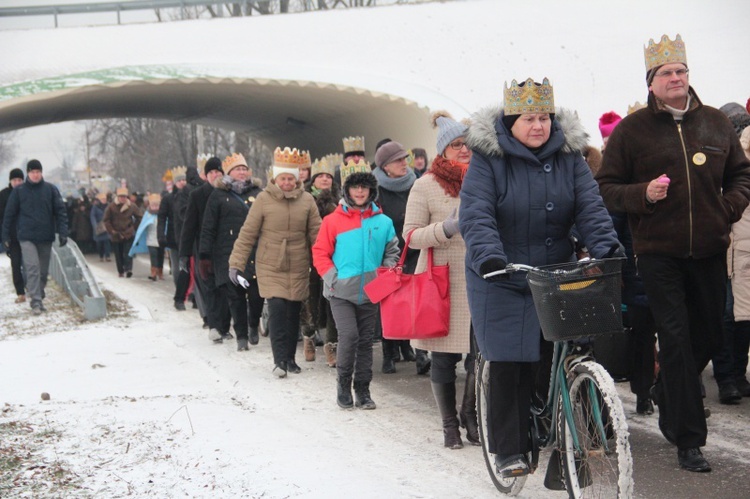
{"type": "Point", "coordinates": [38, 211]}
{"type": "Point", "coordinates": [519, 206]}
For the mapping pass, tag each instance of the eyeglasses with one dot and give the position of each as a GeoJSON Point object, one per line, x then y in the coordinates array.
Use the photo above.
{"type": "Point", "coordinates": [667, 73]}
{"type": "Point", "coordinates": [456, 145]}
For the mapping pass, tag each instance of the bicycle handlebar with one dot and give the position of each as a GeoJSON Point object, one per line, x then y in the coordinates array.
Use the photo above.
{"type": "Point", "coordinates": [520, 267]}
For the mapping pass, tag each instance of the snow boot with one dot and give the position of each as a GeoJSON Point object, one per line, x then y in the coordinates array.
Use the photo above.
{"type": "Point", "coordinates": [390, 352]}
{"type": "Point", "coordinates": [407, 352]}
{"type": "Point", "coordinates": [309, 348]}
{"type": "Point", "coordinates": [330, 350]}
{"type": "Point", "coordinates": [362, 395]}
{"type": "Point", "coordinates": [423, 361]}
{"type": "Point", "coordinates": [445, 396]}
{"type": "Point", "coordinates": [344, 392]}
{"type": "Point", "coordinates": [469, 410]}
{"type": "Point", "coordinates": [253, 334]}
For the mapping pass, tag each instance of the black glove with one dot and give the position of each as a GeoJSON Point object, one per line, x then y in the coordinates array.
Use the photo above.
{"type": "Point", "coordinates": [63, 241]}
{"type": "Point", "coordinates": [205, 268]}
{"type": "Point", "coordinates": [616, 251]}
{"type": "Point", "coordinates": [492, 265]}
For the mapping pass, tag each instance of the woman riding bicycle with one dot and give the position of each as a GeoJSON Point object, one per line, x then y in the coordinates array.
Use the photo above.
{"type": "Point", "coordinates": [525, 189]}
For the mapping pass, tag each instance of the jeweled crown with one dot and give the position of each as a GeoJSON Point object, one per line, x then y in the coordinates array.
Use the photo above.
{"type": "Point", "coordinates": [352, 167]}
{"type": "Point", "coordinates": [323, 166]}
{"type": "Point", "coordinates": [179, 171]}
{"type": "Point", "coordinates": [635, 107]}
{"type": "Point", "coordinates": [233, 161]}
{"type": "Point", "coordinates": [528, 97]}
{"type": "Point", "coordinates": [200, 161]}
{"type": "Point", "coordinates": [664, 52]}
{"type": "Point", "coordinates": [354, 144]}
{"type": "Point", "coordinates": [291, 158]}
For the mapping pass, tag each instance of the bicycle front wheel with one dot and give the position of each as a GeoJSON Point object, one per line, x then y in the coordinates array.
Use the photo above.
{"type": "Point", "coordinates": [596, 450]}
{"type": "Point", "coordinates": [509, 486]}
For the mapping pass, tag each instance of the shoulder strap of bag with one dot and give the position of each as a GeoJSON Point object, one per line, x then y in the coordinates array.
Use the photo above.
{"type": "Point", "coordinates": [247, 208]}
{"type": "Point", "coordinates": [402, 259]}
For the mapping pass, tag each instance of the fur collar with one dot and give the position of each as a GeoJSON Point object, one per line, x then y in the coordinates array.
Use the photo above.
{"type": "Point", "coordinates": [482, 135]}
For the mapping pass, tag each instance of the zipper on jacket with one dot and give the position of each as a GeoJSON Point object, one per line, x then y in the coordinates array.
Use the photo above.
{"type": "Point", "coordinates": [690, 191]}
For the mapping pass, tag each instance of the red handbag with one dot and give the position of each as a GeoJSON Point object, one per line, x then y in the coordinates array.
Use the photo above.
{"type": "Point", "coordinates": [412, 306]}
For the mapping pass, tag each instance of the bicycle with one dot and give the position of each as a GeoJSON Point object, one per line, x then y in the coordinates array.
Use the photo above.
{"type": "Point", "coordinates": [582, 419]}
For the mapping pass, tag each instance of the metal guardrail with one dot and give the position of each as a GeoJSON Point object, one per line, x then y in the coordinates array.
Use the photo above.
{"type": "Point", "coordinates": [69, 269]}
{"type": "Point", "coordinates": [88, 8]}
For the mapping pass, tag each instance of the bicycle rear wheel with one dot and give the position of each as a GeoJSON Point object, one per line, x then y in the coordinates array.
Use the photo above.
{"type": "Point", "coordinates": [509, 486]}
{"type": "Point", "coordinates": [596, 450]}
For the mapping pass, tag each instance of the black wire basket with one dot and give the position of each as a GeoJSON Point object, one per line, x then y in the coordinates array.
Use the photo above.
{"type": "Point", "coordinates": [578, 300]}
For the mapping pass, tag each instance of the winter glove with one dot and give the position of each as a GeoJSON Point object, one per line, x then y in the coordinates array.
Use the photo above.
{"type": "Point", "coordinates": [205, 268]}
{"type": "Point", "coordinates": [237, 278]}
{"type": "Point", "coordinates": [63, 241]}
{"type": "Point", "coordinates": [183, 264]}
{"type": "Point", "coordinates": [450, 224]}
{"type": "Point", "coordinates": [492, 265]}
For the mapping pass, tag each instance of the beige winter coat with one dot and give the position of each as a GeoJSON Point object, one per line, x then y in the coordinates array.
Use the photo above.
{"type": "Point", "coordinates": [426, 209]}
{"type": "Point", "coordinates": [738, 256]}
{"type": "Point", "coordinates": [284, 226]}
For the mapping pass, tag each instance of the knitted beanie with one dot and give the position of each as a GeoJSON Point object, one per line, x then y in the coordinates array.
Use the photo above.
{"type": "Point", "coordinates": [34, 164]}
{"type": "Point", "coordinates": [448, 129]}
{"type": "Point", "coordinates": [213, 163]}
{"type": "Point", "coordinates": [608, 122]}
{"type": "Point", "coordinates": [16, 173]}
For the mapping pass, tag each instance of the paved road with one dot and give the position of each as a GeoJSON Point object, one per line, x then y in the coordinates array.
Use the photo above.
{"type": "Point", "coordinates": [656, 473]}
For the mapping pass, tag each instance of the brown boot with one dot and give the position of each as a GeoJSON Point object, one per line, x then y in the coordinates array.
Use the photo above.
{"type": "Point", "coordinates": [330, 351]}
{"type": "Point", "coordinates": [309, 348]}
{"type": "Point", "coordinates": [21, 298]}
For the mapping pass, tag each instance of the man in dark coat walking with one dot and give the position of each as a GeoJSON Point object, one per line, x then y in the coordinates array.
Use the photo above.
{"type": "Point", "coordinates": [14, 249]}
{"type": "Point", "coordinates": [216, 309]}
{"type": "Point", "coordinates": [168, 224]}
{"type": "Point", "coordinates": [37, 211]}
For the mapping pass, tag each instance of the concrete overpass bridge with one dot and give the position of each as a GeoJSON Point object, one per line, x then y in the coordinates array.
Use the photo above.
{"type": "Point", "coordinates": [308, 79]}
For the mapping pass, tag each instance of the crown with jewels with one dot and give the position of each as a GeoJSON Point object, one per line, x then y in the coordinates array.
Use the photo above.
{"type": "Point", "coordinates": [233, 161]}
{"type": "Point", "coordinates": [635, 107]}
{"type": "Point", "coordinates": [528, 97]}
{"type": "Point", "coordinates": [354, 144]}
{"type": "Point", "coordinates": [179, 172]}
{"type": "Point", "coordinates": [352, 167]}
{"type": "Point", "coordinates": [291, 158]}
{"type": "Point", "coordinates": [664, 52]}
{"type": "Point", "coordinates": [323, 166]}
{"type": "Point", "coordinates": [200, 161]}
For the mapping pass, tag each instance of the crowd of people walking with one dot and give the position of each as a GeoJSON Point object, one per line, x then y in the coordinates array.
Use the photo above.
{"type": "Point", "coordinates": [518, 183]}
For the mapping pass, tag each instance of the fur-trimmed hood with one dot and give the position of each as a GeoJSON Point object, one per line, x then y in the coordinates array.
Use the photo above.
{"type": "Point", "coordinates": [225, 182]}
{"type": "Point", "coordinates": [486, 124]}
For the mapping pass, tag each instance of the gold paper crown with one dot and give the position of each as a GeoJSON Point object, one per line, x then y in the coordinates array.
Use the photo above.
{"type": "Point", "coordinates": [233, 161]}
{"type": "Point", "coordinates": [664, 52]}
{"type": "Point", "coordinates": [354, 144]}
{"type": "Point", "coordinates": [323, 166]}
{"type": "Point", "coordinates": [635, 107]}
{"type": "Point", "coordinates": [334, 159]}
{"type": "Point", "coordinates": [200, 161]}
{"type": "Point", "coordinates": [352, 167]}
{"type": "Point", "coordinates": [291, 158]}
{"type": "Point", "coordinates": [179, 171]}
{"type": "Point", "coordinates": [529, 98]}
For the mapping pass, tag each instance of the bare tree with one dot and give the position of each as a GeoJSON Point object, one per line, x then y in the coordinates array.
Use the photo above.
{"type": "Point", "coordinates": [7, 147]}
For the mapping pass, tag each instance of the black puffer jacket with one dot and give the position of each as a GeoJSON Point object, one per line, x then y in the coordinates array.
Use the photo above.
{"type": "Point", "coordinates": [165, 221]}
{"type": "Point", "coordinates": [225, 213]}
{"type": "Point", "coordinates": [193, 223]}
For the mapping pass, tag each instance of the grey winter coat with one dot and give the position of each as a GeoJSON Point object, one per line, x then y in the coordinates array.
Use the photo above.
{"type": "Point", "coordinates": [519, 206]}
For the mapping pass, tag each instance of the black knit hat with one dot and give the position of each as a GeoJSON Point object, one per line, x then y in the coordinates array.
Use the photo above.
{"type": "Point", "coordinates": [16, 173]}
{"type": "Point", "coordinates": [34, 164]}
{"type": "Point", "coordinates": [213, 163]}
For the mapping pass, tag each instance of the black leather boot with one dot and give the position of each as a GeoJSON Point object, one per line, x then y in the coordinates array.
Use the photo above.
{"type": "Point", "coordinates": [423, 361]}
{"type": "Point", "coordinates": [344, 393]}
{"type": "Point", "coordinates": [407, 352]}
{"type": "Point", "coordinates": [469, 410]}
{"type": "Point", "coordinates": [389, 352]}
{"type": "Point", "coordinates": [254, 335]}
{"type": "Point", "coordinates": [362, 395]}
{"type": "Point", "coordinates": [445, 396]}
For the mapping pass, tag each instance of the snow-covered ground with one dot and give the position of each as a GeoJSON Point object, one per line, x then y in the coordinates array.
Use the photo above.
{"type": "Point", "coordinates": [142, 405]}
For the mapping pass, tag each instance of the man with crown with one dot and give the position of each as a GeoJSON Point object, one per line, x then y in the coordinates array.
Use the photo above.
{"type": "Point", "coordinates": [526, 186]}
{"type": "Point", "coordinates": [677, 169]}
